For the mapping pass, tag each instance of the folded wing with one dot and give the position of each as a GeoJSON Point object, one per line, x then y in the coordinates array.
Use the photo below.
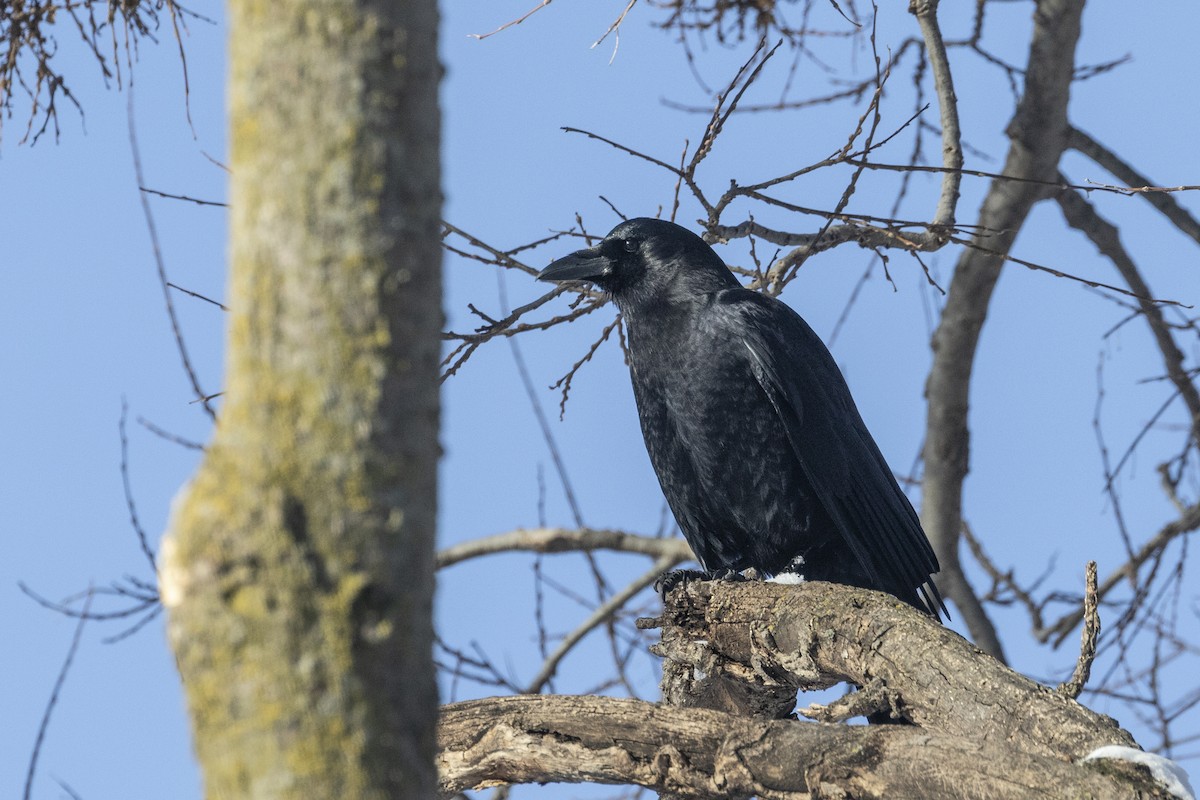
{"type": "Point", "coordinates": [842, 463]}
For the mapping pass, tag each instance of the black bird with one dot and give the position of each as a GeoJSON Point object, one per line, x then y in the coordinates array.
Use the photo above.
{"type": "Point", "coordinates": [760, 450]}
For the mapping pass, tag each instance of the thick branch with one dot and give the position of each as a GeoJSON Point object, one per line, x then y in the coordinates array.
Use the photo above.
{"type": "Point", "coordinates": [702, 753]}
{"type": "Point", "coordinates": [1038, 134]}
{"type": "Point", "coordinates": [817, 634]}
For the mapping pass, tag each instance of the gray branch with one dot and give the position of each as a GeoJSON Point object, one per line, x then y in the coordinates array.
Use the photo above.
{"type": "Point", "coordinates": [1038, 134]}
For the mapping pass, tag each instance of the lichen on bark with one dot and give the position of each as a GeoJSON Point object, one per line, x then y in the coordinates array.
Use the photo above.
{"type": "Point", "coordinates": [299, 567]}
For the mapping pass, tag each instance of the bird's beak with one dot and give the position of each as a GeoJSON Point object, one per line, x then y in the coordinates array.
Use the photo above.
{"type": "Point", "coordinates": [582, 265]}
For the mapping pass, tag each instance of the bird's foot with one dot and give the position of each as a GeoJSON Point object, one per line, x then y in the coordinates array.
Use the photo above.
{"type": "Point", "coordinates": [727, 575]}
{"type": "Point", "coordinates": [669, 580]}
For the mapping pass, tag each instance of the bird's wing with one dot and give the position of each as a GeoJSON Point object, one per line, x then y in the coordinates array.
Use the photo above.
{"type": "Point", "coordinates": [843, 464]}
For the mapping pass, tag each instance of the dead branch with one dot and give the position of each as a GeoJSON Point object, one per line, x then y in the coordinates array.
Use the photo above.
{"type": "Point", "coordinates": [817, 634]}
{"type": "Point", "coordinates": [1087, 645]}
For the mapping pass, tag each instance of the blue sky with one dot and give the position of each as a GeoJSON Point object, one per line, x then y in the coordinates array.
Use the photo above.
{"type": "Point", "coordinates": [83, 323]}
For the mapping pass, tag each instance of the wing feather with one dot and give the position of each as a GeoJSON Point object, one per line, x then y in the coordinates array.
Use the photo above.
{"type": "Point", "coordinates": [837, 455]}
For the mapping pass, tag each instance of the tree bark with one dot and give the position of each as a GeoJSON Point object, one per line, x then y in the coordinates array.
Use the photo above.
{"type": "Point", "coordinates": [979, 729]}
{"type": "Point", "coordinates": [1038, 134]}
{"type": "Point", "coordinates": [818, 634]}
{"type": "Point", "coordinates": [703, 753]}
{"type": "Point", "coordinates": [299, 568]}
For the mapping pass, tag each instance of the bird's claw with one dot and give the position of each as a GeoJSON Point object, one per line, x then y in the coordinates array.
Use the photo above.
{"type": "Point", "coordinates": [728, 575]}
{"type": "Point", "coordinates": [676, 577]}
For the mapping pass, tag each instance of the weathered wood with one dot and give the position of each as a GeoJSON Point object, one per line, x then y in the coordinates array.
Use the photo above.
{"type": "Point", "coordinates": [818, 634]}
{"type": "Point", "coordinates": [977, 729]}
{"type": "Point", "coordinates": [691, 752]}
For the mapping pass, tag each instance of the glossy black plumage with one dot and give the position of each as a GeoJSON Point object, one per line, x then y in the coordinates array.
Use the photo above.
{"type": "Point", "coordinates": [760, 450]}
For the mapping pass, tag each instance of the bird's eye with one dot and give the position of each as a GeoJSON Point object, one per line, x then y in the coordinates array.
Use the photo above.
{"type": "Point", "coordinates": [631, 245]}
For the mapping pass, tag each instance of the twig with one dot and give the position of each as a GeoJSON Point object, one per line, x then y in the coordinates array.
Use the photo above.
{"type": "Point", "coordinates": [54, 695]}
{"type": "Point", "coordinates": [623, 148]}
{"type": "Point", "coordinates": [1132, 190]}
{"type": "Point", "coordinates": [161, 267]}
{"type": "Point", "coordinates": [197, 295]}
{"type": "Point", "coordinates": [195, 200]}
{"type": "Point", "coordinates": [511, 22]}
{"type": "Point", "coordinates": [615, 27]}
{"type": "Point", "coordinates": [170, 437]}
{"type": "Point", "coordinates": [602, 613]}
{"type": "Point", "coordinates": [143, 539]}
{"type": "Point", "coordinates": [1187, 522]}
{"type": "Point", "coordinates": [1060, 274]}
{"type": "Point", "coordinates": [1122, 170]}
{"type": "Point", "coordinates": [565, 380]}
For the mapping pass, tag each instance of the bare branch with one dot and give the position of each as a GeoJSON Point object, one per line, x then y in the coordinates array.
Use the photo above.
{"type": "Point", "coordinates": [130, 503]}
{"type": "Point", "coordinates": [184, 197]}
{"type": "Point", "coordinates": [698, 753]}
{"type": "Point", "coordinates": [1187, 522]}
{"type": "Point", "coordinates": [565, 540]}
{"type": "Point", "coordinates": [602, 614]}
{"type": "Point", "coordinates": [656, 162]}
{"type": "Point", "coordinates": [44, 725]}
{"type": "Point", "coordinates": [1038, 134]}
{"type": "Point", "coordinates": [201, 396]}
{"type": "Point", "coordinates": [1124, 172]}
{"type": "Point", "coordinates": [1017, 741]}
{"type": "Point", "coordinates": [1080, 215]}
{"type": "Point", "coordinates": [952, 158]}
{"type": "Point", "coordinates": [512, 22]}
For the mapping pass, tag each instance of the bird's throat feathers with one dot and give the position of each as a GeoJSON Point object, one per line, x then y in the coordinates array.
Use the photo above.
{"type": "Point", "coordinates": [679, 284]}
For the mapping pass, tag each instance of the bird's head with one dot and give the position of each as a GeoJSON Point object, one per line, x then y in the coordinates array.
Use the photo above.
{"type": "Point", "coordinates": [644, 259]}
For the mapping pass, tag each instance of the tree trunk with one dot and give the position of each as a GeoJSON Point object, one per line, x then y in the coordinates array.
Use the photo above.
{"type": "Point", "coordinates": [299, 568]}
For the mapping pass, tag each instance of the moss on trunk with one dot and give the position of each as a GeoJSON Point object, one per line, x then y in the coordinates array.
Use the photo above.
{"type": "Point", "coordinates": [299, 567]}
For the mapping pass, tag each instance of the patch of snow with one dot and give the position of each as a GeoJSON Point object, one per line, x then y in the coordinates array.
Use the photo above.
{"type": "Point", "coordinates": [1166, 772]}
{"type": "Point", "coordinates": [787, 578]}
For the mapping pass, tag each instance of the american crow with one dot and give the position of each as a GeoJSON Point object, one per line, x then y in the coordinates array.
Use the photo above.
{"type": "Point", "coordinates": [760, 450]}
